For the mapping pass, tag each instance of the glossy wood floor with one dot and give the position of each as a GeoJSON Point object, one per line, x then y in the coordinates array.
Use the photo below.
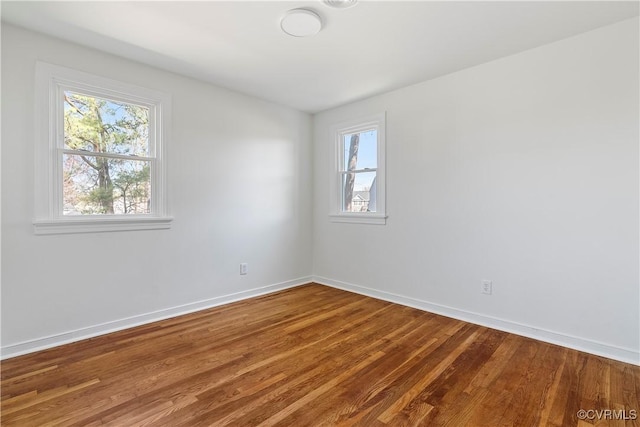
{"type": "Point", "coordinates": [315, 356]}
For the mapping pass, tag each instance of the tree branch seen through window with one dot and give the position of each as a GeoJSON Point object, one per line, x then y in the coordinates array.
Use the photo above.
{"type": "Point", "coordinates": [106, 156]}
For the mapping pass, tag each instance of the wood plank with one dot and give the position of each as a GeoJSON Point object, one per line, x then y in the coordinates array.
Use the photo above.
{"type": "Point", "coordinates": [313, 356]}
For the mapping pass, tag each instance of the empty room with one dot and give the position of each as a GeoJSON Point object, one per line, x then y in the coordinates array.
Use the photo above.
{"type": "Point", "coordinates": [320, 213]}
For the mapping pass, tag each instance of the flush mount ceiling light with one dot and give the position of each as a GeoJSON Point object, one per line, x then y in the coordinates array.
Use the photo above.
{"type": "Point", "coordinates": [301, 23]}
{"type": "Point", "coordinates": [340, 4]}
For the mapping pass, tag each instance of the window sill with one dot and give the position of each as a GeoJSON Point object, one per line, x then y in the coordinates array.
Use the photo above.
{"type": "Point", "coordinates": [100, 225]}
{"type": "Point", "coordinates": [359, 218]}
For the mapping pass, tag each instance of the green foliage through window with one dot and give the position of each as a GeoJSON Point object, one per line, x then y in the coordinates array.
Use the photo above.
{"type": "Point", "coordinates": [106, 163]}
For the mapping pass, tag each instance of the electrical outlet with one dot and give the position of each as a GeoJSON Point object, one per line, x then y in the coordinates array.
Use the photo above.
{"type": "Point", "coordinates": [487, 287]}
{"type": "Point", "coordinates": [244, 268]}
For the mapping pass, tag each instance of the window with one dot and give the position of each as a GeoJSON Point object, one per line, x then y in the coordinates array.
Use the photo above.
{"type": "Point", "coordinates": [358, 176]}
{"type": "Point", "coordinates": [100, 154]}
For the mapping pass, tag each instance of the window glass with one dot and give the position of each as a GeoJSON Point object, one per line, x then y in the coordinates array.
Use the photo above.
{"type": "Point", "coordinates": [103, 126]}
{"type": "Point", "coordinates": [96, 178]}
{"type": "Point", "coordinates": [366, 147]}
{"type": "Point", "coordinates": [101, 185]}
{"type": "Point", "coordinates": [358, 188]}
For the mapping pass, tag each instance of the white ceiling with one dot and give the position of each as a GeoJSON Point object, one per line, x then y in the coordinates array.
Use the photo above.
{"type": "Point", "coordinates": [371, 48]}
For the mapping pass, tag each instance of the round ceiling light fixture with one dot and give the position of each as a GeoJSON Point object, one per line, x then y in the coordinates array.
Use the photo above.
{"type": "Point", "coordinates": [340, 4]}
{"type": "Point", "coordinates": [301, 23]}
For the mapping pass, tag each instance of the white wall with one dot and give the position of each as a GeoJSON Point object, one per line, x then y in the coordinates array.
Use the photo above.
{"type": "Point", "coordinates": [240, 185]}
{"type": "Point", "coordinates": [523, 171]}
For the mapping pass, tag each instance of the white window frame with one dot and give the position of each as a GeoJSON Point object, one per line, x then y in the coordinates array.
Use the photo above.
{"type": "Point", "coordinates": [338, 131]}
{"type": "Point", "coordinates": [51, 82]}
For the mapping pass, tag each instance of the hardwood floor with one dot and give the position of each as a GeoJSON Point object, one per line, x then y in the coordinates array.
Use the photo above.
{"type": "Point", "coordinates": [316, 356]}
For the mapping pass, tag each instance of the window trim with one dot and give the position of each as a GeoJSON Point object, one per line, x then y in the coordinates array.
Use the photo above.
{"type": "Point", "coordinates": [51, 81]}
{"type": "Point", "coordinates": [377, 122]}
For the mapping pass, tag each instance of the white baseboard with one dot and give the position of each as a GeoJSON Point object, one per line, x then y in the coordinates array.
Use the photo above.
{"type": "Point", "coordinates": [626, 355]}
{"type": "Point", "coordinates": [13, 350]}
{"type": "Point", "coordinates": [589, 346]}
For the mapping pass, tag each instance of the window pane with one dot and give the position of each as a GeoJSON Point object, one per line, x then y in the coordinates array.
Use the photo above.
{"type": "Point", "coordinates": [359, 192]}
{"type": "Point", "coordinates": [99, 185]}
{"type": "Point", "coordinates": [360, 150]}
{"type": "Point", "coordinates": [103, 126]}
